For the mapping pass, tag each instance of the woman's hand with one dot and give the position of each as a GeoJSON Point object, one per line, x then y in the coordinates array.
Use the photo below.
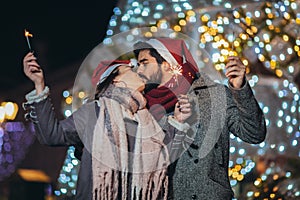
{"type": "Point", "coordinates": [34, 72]}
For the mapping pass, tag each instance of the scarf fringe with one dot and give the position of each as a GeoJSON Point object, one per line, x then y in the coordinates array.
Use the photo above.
{"type": "Point", "coordinates": [156, 188]}
{"type": "Point", "coordinates": [110, 158]}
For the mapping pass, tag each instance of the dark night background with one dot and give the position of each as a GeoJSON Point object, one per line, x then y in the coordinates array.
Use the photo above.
{"type": "Point", "coordinates": [62, 33]}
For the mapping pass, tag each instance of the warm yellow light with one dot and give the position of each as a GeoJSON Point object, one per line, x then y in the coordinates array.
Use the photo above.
{"type": "Point", "coordinates": [224, 52]}
{"type": "Point", "coordinates": [81, 95]}
{"type": "Point", "coordinates": [229, 171]}
{"type": "Point", "coordinates": [249, 31]}
{"type": "Point", "coordinates": [69, 100]}
{"type": "Point", "coordinates": [236, 14]}
{"type": "Point", "coordinates": [238, 167]}
{"type": "Point", "coordinates": [297, 20]}
{"type": "Point", "coordinates": [243, 36]}
{"type": "Point", "coordinates": [177, 28]}
{"type": "Point", "coordinates": [240, 177]}
{"type": "Point", "coordinates": [206, 60]}
{"type": "Point", "coordinates": [148, 34]}
{"type": "Point", "coordinates": [222, 59]}
{"type": "Point", "coordinates": [203, 29]}
{"type": "Point", "coordinates": [254, 29]}
{"type": "Point", "coordinates": [245, 62]}
{"type": "Point", "coordinates": [203, 40]}
{"type": "Point", "coordinates": [296, 48]}
{"type": "Point", "coordinates": [236, 43]}
{"type": "Point", "coordinates": [272, 196]}
{"type": "Point", "coordinates": [190, 13]}
{"type": "Point", "coordinates": [270, 15]}
{"type": "Point", "coordinates": [257, 182]}
{"type": "Point", "coordinates": [34, 175]}
{"type": "Point", "coordinates": [213, 31]}
{"type": "Point", "coordinates": [182, 22]}
{"type": "Point", "coordinates": [235, 174]}
{"type": "Point", "coordinates": [205, 18]}
{"type": "Point", "coordinates": [218, 67]}
{"type": "Point", "coordinates": [226, 44]}
{"type": "Point", "coordinates": [8, 111]}
{"type": "Point", "coordinates": [279, 73]}
{"type": "Point", "coordinates": [247, 70]}
{"type": "Point", "coordinates": [153, 29]}
{"type": "Point", "coordinates": [273, 64]}
{"type": "Point", "coordinates": [11, 110]}
{"type": "Point", "coordinates": [285, 38]}
{"type": "Point", "coordinates": [287, 15]}
{"type": "Point", "coordinates": [275, 189]}
{"type": "Point", "coordinates": [232, 53]}
{"type": "Point", "coordinates": [217, 38]}
{"type": "Point", "coordinates": [261, 57]}
{"type": "Point", "coordinates": [248, 21]}
{"type": "Point", "coordinates": [256, 194]}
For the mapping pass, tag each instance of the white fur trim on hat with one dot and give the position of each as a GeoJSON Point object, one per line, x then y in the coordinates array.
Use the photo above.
{"type": "Point", "coordinates": [108, 71]}
{"type": "Point", "coordinates": [163, 51]}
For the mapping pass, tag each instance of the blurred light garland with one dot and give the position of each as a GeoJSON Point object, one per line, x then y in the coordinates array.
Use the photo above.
{"type": "Point", "coordinates": [15, 140]}
{"type": "Point", "coordinates": [266, 35]}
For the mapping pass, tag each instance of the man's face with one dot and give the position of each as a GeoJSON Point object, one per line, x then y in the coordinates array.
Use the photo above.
{"type": "Point", "coordinates": [148, 68]}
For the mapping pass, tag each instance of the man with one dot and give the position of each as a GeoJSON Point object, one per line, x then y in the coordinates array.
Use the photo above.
{"type": "Point", "coordinates": [201, 155]}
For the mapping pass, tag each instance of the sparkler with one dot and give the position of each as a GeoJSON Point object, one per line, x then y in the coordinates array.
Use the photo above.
{"type": "Point", "coordinates": [176, 70]}
{"type": "Point", "coordinates": [231, 52]}
{"type": "Point", "coordinates": [27, 35]}
{"type": "Point", "coordinates": [232, 27]}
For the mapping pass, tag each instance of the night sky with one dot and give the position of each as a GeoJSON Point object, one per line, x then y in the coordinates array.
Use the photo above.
{"type": "Point", "coordinates": [62, 33]}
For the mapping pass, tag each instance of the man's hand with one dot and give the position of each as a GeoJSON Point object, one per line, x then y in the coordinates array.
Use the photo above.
{"type": "Point", "coordinates": [34, 72]}
{"type": "Point", "coordinates": [182, 109]}
{"type": "Point", "coordinates": [235, 71]}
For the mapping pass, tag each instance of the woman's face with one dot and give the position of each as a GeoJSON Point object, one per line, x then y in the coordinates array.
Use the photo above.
{"type": "Point", "coordinates": [128, 78]}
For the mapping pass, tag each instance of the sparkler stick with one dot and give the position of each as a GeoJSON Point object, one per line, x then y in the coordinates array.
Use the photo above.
{"type": "Point", "coordinates": [232, 25]}
{"type": "Point", "coordinates": [231, 53]}
{"type": "Point", "coordinates": [27, 35]}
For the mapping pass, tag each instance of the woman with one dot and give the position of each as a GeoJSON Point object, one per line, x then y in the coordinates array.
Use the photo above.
{"type": "Point", "coordinates": [124, 156]}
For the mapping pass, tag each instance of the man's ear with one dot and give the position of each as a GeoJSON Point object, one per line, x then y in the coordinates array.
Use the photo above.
{"type": "Point", "coordinates": [165, 66]}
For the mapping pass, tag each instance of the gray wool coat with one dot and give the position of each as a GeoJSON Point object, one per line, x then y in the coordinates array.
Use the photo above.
{"type": "Point", "coordinates": [201, 156]}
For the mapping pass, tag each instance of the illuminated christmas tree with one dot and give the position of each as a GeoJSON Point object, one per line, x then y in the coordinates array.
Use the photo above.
{"type": "Point", "coordinates": [266, 35]}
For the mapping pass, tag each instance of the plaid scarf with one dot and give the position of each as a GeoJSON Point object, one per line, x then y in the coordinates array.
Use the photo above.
{"type": "Point", "coordinates": [117, 172]}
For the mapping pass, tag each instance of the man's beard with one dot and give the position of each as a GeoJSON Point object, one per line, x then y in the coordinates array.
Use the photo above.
{"type": "Point", "coordinates": [154, 81]}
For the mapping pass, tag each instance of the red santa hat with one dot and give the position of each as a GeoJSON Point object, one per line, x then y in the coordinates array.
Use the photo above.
{"type": "Point", "coordinates": [105, 68]}
{"type": "Point", "coordinates": [176, 53]}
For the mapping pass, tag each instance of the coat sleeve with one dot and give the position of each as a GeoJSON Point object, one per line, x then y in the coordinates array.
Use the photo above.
{"type": "Point", "coordinates": [245, 117]}
{"type": "Point", "coordinates": [49, 130]}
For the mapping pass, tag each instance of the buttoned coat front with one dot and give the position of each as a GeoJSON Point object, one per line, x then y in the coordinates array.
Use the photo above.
{"type": "Point", "coordinates": [200, 166]}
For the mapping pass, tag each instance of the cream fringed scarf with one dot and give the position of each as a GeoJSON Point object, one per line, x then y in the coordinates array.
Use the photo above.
{"type": "Point", "coordinates": [114, 176]}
